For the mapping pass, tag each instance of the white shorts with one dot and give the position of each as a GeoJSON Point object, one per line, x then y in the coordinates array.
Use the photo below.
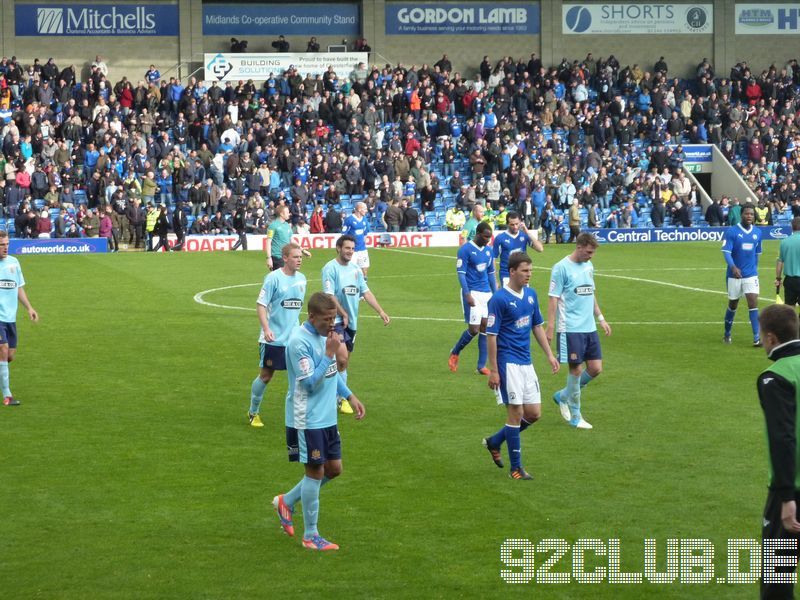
{"type": "Point", "coordinates": [739, 287]}
{"type": "Point", "coordinates": [518, 385]}
{"type": "Point", "coordinates": [474, 314]}
{"type": "Point", "coordinates": [361, 258]}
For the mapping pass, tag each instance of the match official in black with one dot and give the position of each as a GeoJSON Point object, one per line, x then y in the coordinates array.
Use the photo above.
{"type": "Point", "coordinates": [777, 393]}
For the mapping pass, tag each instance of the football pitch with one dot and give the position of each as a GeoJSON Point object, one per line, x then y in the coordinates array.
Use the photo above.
{"type": "Point", "coordinates": [130, 471]}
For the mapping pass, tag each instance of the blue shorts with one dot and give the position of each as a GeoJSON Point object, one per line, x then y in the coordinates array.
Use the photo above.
{"type": "Point", "coordinates": [577, 348]}
{"type": "Point", "coordinates": [313, 446]}
{"type": "Point", "coordinates": [272, 357]}
{"type": "Point", "coordinates": [8, 334]}
{"type": "Point", "coordinates": [348, 336]}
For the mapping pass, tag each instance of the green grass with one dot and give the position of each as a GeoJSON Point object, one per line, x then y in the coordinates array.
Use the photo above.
{"type": "Point", "coordinates": [129, 471]}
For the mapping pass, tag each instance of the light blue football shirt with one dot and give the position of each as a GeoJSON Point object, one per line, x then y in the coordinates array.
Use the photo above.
{"type": "Point", "coordinates": [283, 296]}
{"type": "Point", "coordinates": [315, 408]}
{"type": "Point", "coordinates": [573, 284]}
{"type": "Point", "coordinates": [10, 280]}
{"type": "Point", "coordinates": [347, 284]}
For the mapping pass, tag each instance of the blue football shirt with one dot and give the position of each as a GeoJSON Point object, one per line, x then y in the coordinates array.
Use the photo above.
{"type": "Point", "coordinates": [347, 284]}
{"type": "Point", "coordinates": [358, 228]}
{"type": "Point", "coordinates": [315, 408]}
{"type": "Point", "coordinates": [512, 316]}
{"type": "Point", "coordinates": [477, 266]}
{"type": "Point", "coordinates": [506, 244]}
{"type": "Point", "coordinates": [283, 296]}
{"type": "Point", "coordinates": [573, 284]}
{"type": "Point", "coordinates": [11, 280]}
{"type": "Point", "coordinates": [744, 246]}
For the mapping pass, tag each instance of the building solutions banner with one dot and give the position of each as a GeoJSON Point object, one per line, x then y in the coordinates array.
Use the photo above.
{"type": "Point", "coordinates": [474, 18]}
{"type": "Point", "coordinates": [767, 19]}
{"type": "Point", "coordinates": [281, 19]}
{"type": "Point", "coordinates": [96, 19]}
{"type": "Point", "coordinates": [680, 234]}
{"type": "Point", "coordinates": [233, 67]}
{"type": "Point", "coordinates": [642, 19]}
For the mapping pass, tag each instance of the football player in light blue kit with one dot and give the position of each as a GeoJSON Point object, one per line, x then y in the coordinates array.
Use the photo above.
{"type": "Point", "coordinates": [12, 292]}
{"type": "Point", "coordinates": [312, 436]}
{"type": "Point", "coordinates": [346, 284]}
{"type": "Point", "coordinates": [513, 314]}
{"type": "Point", "coordinates": [278, 306]}
{"type": "Point", "coordinates": [571, 312]}
{"type": "Point", "coordinates": [741, 247]}
{"type": "Point", "coordinates": [357, 225]}
{"type": "Point", "coordinates": [515, 239]}
{"type": "Point", "coordinates": [475, 269]}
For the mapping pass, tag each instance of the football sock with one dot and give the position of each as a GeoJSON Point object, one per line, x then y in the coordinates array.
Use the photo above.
{"type": "Point", "coordinates": [483, 352]}
{"type": "Point", "coordinates": [729, 315]}
{"type": "Point", "coordinates": [4, 378]}
{"type": "Point", "coordinates": [573, 391]}
{"type": "Point", "coordinates": [309, 495]}
{"type": "Point", "coordinates": [465, 339]}
{"type": "Point", "coordinates": [585, 378]}
{"type": "Point", "coordinates": [292, 497]}
{"type": "Point", "coordinates": [753, 314]}
{"type": "Point", "coordinates": [496, 441]}
{"type": "Point", "coordinates": [256, 395]}
{"type": "Point", "coordinates": [514, 446]}
{"type": "Point", "coordinates": [523, 425]}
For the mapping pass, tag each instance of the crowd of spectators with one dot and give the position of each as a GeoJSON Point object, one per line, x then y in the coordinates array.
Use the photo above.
{"type": "Point", "coordinates": [583, 143]}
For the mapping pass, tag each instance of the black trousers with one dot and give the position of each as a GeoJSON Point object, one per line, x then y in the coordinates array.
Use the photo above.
{"type": "Point", "coordinates": [773, 529]}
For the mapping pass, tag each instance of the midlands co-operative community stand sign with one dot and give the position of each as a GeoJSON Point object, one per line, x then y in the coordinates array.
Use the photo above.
{"type": "Point", "coordinates": [474, 18]}
{"type": "Point", "coordinates": [96, 20]}
{"type": "Point", "coordinates": [635, 18]}
{"type": "Point", "coordinates": [281, 19]}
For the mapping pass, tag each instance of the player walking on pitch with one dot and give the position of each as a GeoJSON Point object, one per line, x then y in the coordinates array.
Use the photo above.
{"type": "Point", "coordinates": [12, 292]}
{"type": "Point", "coordinates": [312, 436]}
{"type": "Point", "coordinates": [278, 306]}
{"type": "Point", "coordinates": [346, 284]}
{"type": "Point", "coordinates": [741, 247]}
{"type": "Point", "coordinates": [571, 312]}
{"type": "Point", "coordinates": [513, 314]}
{"type": "Point", "coordinates": [475, 269]}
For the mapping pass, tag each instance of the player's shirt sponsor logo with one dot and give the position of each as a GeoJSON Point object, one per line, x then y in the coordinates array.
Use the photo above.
{"type": "Point", "coordinates": [584, 290]}
{"type": "Point", "coordinates": [522, 322]}
{"type": "Point", "coordinates": [331, 370]}
{"type": "Point", "coordinates": [747, 246]}
{"type": "Point", "coordinates": [292, 303]}
{"type": "Point", "coordinates": [350, 290]}
{"type": "Point", "coordinates": [7, 284]}
{"type": "Point", "coordinates": [480, 267]}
